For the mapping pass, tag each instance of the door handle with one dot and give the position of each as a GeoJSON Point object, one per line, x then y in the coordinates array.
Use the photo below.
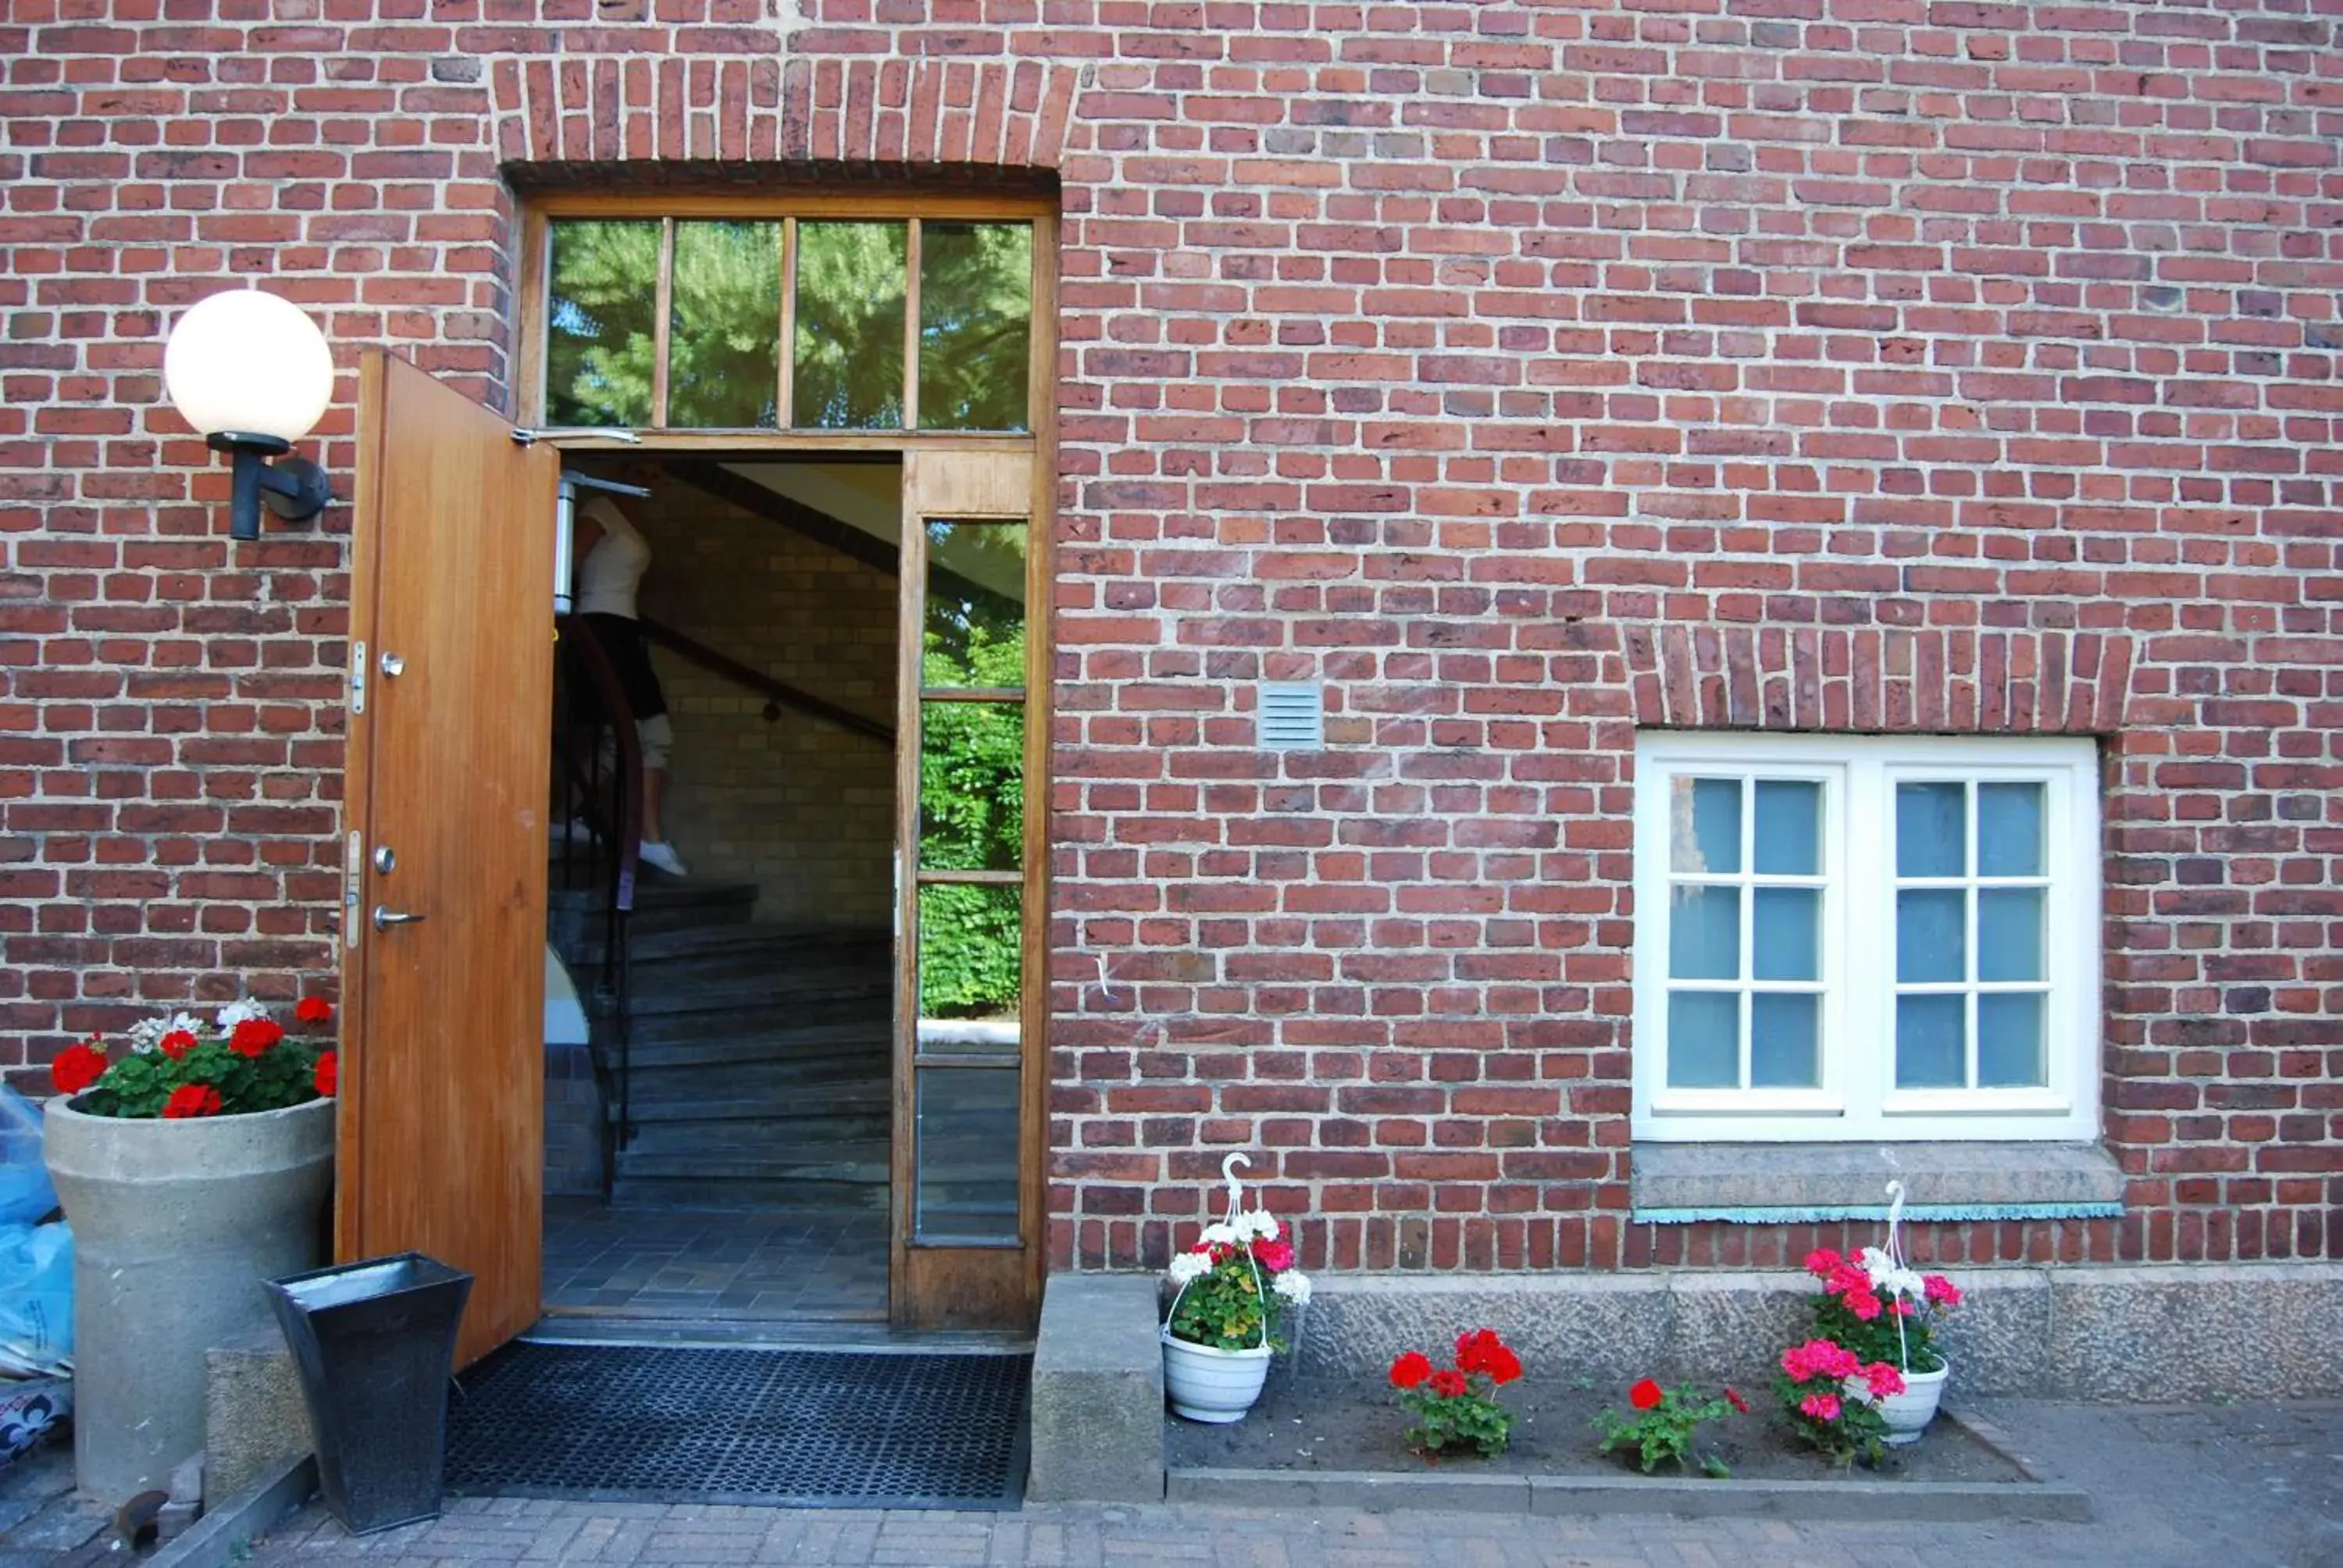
{"type": "Point", "coordinates": [386, 917]}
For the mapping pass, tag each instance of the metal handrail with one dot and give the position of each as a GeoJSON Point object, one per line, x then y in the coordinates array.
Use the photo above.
{"type": "Point", "coordinates": [588, 659]}
{"type": "Point", "coordinates": [778, 694]}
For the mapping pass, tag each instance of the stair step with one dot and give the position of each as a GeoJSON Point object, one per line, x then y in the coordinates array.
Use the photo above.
{"type": "Point", "coordinates": [865, 1162]}
{"type": "Point", "coordinates": [788, 1196]}
{"type": "Point", "coordinates": [813, 944]}
{"type": "Point", "coordinates": [574, 916]}
{"type": "Point", "coordinates": [675, 1097]}
{"type": "Point", "coordinates": [660, 1129]}
{"type": "Point", "coordinates": [666, 1043]}
{"type": "Point", "coordinates": [750, 995]}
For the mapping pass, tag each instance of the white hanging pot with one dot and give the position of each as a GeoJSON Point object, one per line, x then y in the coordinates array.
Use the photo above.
{"type": "Point", "coordinates": [1908, 1414]}
{"type": "Point", "coordinates": [1212, 1385]}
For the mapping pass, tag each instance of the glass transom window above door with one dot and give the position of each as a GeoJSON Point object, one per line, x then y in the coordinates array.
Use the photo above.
{"type": "Point", "coordinates": [824, 322]}
{"type": "Point", "coordinates": [1857, 937]}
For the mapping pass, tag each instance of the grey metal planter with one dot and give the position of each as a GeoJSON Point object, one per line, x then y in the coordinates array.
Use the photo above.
{"type": "Point", "coordinates": [374, 1343]}
{"type": "Point", "coordinates": [176, 1226]}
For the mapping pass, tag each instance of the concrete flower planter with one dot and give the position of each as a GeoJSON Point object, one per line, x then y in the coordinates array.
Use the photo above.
{"type": "Point", "coordinates": [175, 1225]}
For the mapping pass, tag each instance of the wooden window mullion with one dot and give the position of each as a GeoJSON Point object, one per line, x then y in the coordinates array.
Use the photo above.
{"type": "Point", "coordinates": [785, 399]}
{"type": "Point", "coordinates": [911, 325]}
{"type": "Point", "coordinates": [662, 325]}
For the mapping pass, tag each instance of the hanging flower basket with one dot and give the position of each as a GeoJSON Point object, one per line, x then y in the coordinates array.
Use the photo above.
{"type": "Point", "coordinates": [1236, 1285]}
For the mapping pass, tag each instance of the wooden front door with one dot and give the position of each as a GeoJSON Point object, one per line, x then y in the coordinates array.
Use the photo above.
{"type": "Point", "coordinates": [970, 1069]}
{"type": "Point", "coordinates": [442, 1121]}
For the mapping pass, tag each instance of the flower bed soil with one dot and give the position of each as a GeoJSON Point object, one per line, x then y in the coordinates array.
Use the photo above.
{"type": "Point", "coordinates": [1310, 1424]}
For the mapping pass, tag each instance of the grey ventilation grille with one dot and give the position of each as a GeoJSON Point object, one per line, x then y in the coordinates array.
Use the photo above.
{"type": "Point", "coordinates": [1292, 716]}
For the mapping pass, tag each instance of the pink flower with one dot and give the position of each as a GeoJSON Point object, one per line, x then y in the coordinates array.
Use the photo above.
{"type": "Point", "coordinates": [1862, 1304]}
{"type": "Point", "coordinates": [1819, 1358]}
{"type": "Point", "coordinates": [1821, 1263]}
{"type": "Point", "coordinates": [1902, 1308]}
{"type": "Point", "coordinates": [1820, 1406]}
{"type": "Point", "coordinates": [1275, 1256]}
{"type": "Point", "coordinates": [1941, 1292]}
{"type": "Point", "coordinates": [1845, 1280]}
{"type": "Point", "coordinates": [1883, 1379]}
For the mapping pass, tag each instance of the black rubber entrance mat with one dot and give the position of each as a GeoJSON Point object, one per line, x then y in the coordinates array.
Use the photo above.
{"type": "Point", "coordinates": [822, 1429]}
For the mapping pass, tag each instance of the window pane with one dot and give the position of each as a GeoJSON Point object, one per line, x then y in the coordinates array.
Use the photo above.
{"type": "Point", "coordinates": [976, 605]}
{"type": "Point", "coordinates": [971, 959]}
{"type": "Point", "coordinates": [1783, 933]}
{"type": "Point", "coordinates": [2009, 829]}
{"type": "Point", "coordinates": [2009, 933]}
{"type": "Point", "coordinates": [1705, 934]}
{"type": "Point", "coordinates": [1704, 825]}
{"type": "Point", "coordinates": [966, 1153]}
{"type": "Point", "coordinates": [2009, 1041]}
{"type": "Point", "coordinates": [1931, 935]}
{"type": "Point", "coordinates": [724, 350]}
{"type": "Point", "coordinates": [976, 312]}
{"type": "Point", "coordinates": [971, 785]}
{"type": "Point", "coordinates": [1789, 828]}
{"type": "Point", "coordinates": [847, 365]}
{"type": "Point", "coordinates": [1782, 1041]}
{"type": "Point", "coordinates": [1931, 836]}
{"type": "Point", "coordinates": [1704, 1039]}
{"type": "Point", "coordinates": [601, 324]}
{"type": "Point", "coordinates": [1930, 1052]}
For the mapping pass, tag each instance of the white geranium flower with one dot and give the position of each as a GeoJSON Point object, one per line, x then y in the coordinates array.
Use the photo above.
{"type": "Point", "coordinates": [1886, 1279]}
{"type": "Point", "coordinates": [1221, 1235]}
{"type": "Point", "coordinates": [1294, 1286]}
{"type": "Point", "coordinates": [148, 1031]}
{"type": "Point", "coordinates": [236, 1012]}
{"type": "Point", "coordinates": [1188, 1267]}
{"type": "Point", "coordinates": [1260, 1223]}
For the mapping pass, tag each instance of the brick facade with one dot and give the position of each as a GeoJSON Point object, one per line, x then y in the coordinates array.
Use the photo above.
{"type": "Point", "coordinates": [1525, 371]}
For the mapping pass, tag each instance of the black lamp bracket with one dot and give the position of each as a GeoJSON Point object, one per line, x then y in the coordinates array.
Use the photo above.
{"type": "Point", "coordinates": [293, 488]}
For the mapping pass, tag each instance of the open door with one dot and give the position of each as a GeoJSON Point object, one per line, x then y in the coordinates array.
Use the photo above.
{"type": "Point", "coordinates": [442, 1121]}
{"type": "Point", "coordinates": [970, 846]}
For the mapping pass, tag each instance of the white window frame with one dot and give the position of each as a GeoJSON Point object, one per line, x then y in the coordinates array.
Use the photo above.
{"type": "Point", "coordinates": [1857, 1099]}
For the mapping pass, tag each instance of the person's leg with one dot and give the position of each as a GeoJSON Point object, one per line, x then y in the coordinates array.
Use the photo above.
{"type": "Point", "coordinates": [658, 744]}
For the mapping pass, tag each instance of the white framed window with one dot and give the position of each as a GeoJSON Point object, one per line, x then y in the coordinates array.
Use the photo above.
{"type": "Point", "coordinates": [1860, 938]}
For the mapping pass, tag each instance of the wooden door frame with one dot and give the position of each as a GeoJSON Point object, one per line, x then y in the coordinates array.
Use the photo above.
{"type": "Point", "coordinates": [1037, 445]}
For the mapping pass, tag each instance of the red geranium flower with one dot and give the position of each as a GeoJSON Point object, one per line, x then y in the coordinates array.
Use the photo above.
{"type": "Point", "coordinates": [1480, 1351]}
{"type": "Point", "coordinates": [1644, 1394]}
{"type": "Point", "coordinates": [314, 1009]}
{"type": "Point", "coordinates": [1502, 1365]}
{"type": "Point", "coordinates": [175, 1044]}
{"type": "Point", "coordinates": [191, 1100]}
{"type": "Point", "coordinates": [255, 1036]}
{"type": "Point", "coordinates": [1275, 1256]}
{"type": "Point", "coordinates": [1448, 1382]}
{"type": "Point", "coordinates": [1409, 1369]}
{"type": "Point", "coordinates": [1733, 1397]}
{"type": "Point", "coordinates": [77, 1067]}
{"type": "Point", "coordinates": [328, 1073]}
{"type": "Point", "coordinates": [1822, 1262]}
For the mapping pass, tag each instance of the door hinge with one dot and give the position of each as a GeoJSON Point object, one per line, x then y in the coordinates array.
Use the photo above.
{"type": "Point", "coordinates": [358, 677]}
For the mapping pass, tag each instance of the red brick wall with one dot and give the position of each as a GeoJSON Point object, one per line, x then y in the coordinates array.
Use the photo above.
{"type": "Point", "coordinates": [1505, 365]}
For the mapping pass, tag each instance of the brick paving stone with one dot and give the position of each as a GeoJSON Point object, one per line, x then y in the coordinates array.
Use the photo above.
{"type": "Point", "coordinates": [2250, 1486]}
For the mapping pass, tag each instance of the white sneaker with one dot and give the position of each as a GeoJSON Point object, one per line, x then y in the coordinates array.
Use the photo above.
{"type": "Point", "coordinates": [576, 831]}
{"type": "Point", "coordinates": [662, 854]}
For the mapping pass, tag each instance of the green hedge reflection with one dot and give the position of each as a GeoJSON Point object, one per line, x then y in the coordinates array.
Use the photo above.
{"type": "Point", "coordinates": [973, 800]}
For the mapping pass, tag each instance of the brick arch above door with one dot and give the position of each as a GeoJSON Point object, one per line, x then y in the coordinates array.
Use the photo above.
{"type": "Point", "coordinates": [1007, 113]}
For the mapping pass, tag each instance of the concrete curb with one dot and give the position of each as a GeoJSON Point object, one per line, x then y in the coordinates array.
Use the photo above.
{"type": "Point", "coordinates": [2035, 1498]}
{"type": "Point", "coordinates": [212, 1541]}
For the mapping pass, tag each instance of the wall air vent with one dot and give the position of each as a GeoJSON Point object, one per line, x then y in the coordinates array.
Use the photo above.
{"type": "Point", "coordinates": [1292, 716]}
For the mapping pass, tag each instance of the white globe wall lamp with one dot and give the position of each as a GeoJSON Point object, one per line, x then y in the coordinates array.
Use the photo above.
{"type": "Point", "coordinates": [251, 372]}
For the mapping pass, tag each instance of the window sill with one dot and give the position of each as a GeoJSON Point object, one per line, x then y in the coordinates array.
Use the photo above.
{"type": "Point", "coordinates": [1788, 1183]}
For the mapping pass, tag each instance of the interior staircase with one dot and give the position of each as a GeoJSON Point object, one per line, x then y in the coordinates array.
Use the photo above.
{"type": "Point", "coordinates": [759, 1060]}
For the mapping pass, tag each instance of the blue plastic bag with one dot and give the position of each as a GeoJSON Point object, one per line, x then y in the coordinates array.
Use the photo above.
{"type": "Point", "coordinates": [35, 1299]}
{"type": "Point", "coordinates": [25, 1195]}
